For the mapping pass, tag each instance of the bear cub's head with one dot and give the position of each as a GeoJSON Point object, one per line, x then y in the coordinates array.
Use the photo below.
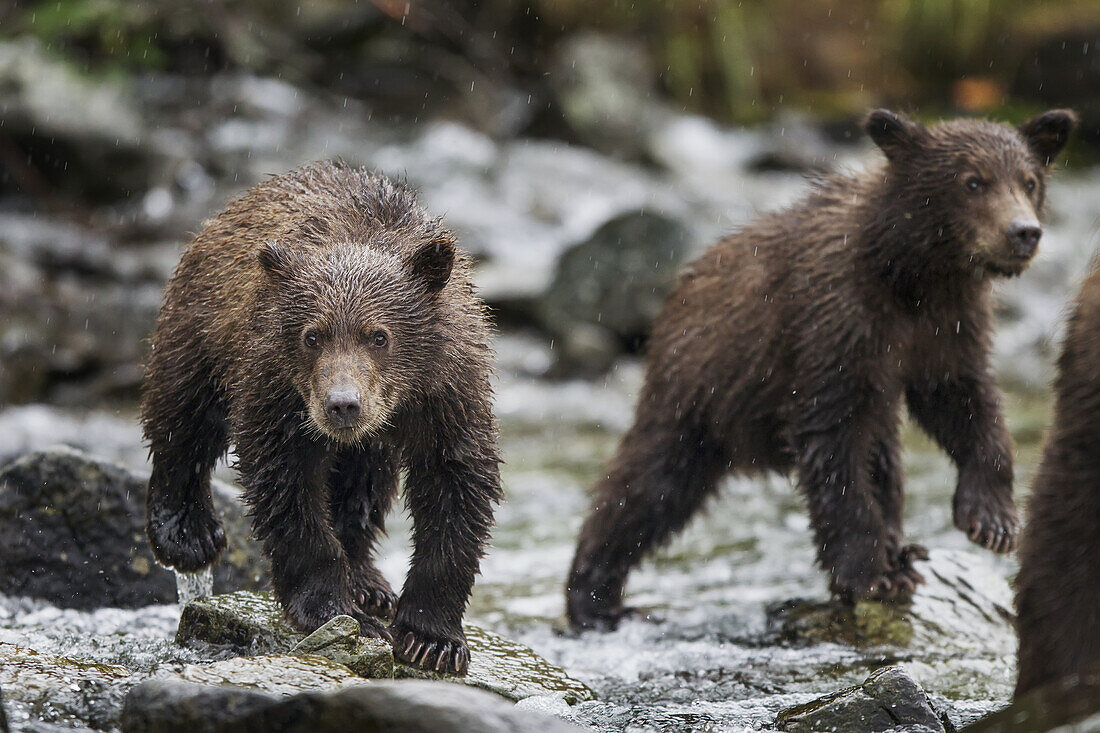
{"type": "Point", "coordinates": [358, 321]}
{"type": "Point", "coordinates": [977, 185]}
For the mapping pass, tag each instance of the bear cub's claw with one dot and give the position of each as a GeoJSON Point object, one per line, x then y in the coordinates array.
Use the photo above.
{"type": "Point", "coordinates": [990, 524]}
{"type": "Point", "coordinates": [373, 628]}
{"type": "Point", "coordinates": [377, 601]}
{"type": "Point", "coordinates": [186, 540]}
{"type": "Point", "coordinates": [433, 653]}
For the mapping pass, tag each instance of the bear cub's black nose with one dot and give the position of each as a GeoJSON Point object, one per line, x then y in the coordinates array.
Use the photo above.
{"type": "Point", "coordinates": [342, 408]}
{"type": "Point", "coordinates": [1024, 237]}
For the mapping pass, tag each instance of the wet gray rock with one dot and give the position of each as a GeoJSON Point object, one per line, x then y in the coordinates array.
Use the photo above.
{"type": "Point", "coordinates": [1073, 702]}
{"type": "Point", "coordinates": [609, 288]}
{"type": "Point", "coordinates": [3, 715]}
{"type": "Point", "coordinates": [253, 623]}
{"type": "Point", "coordinates": [407, 705]}
{"type": "Point", "coordinates": [339, 640]}
{"type": "Point", "coordinates": [888, 700]}
{"type": "Point", "coordinates": [56, 689]}
{"type": "Point", "coordinates": [72, 532]}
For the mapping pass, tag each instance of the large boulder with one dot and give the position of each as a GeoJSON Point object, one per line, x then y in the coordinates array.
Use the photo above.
{"type": "Point", "coordinates": [405, 705]}
{"type": "Point", "coordinates": [72, 532]}
{"type": "Point", "coordinates": [253, 623]}
{"type": "Point", "coordinates": [888, 700]}
{"type": "Point", "coordinates": [608, 289]}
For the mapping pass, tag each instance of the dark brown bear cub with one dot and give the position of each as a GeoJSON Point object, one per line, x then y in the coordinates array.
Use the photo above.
{"type": "Point", "coordinates": [326, 326]}
{"type": "Point", "coordinates": [1057, 588]}
{"type": "Point", "coordinates": [791, 344]}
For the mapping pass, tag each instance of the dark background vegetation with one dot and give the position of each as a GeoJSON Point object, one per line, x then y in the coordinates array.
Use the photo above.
{"type": "Point", "coordinates": [740, 62]}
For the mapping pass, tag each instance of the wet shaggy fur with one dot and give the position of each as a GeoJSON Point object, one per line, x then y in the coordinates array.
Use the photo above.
{"type": "Point", "coordinates": [277, 305]}
{"type": "Point", "coordinates": [791, 345]}
{"type": "Point", "coordinates": [1058, 586]}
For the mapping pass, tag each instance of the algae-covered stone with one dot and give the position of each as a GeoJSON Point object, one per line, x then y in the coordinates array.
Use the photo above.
{"type": "Point", "coordinates": [248, 623]}
{"type": "Point", "coordinates": [888, 700]}
{"type": "Point", "coordinates": [60, 689]}
{"type": "Point", "coordinates": [253, 623]}
{"type": "Point", "coordinates": [282, 674]}
{"type": "Point", "coordinates": [964, 606]}
{"type": "Point", "coordinates": [339, 640]}
{"type": "Point", "coordinates": [414, 706]}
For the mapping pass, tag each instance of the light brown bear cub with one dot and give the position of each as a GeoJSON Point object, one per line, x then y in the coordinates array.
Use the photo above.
{"type": "Point", "coordinates": [326, 326]}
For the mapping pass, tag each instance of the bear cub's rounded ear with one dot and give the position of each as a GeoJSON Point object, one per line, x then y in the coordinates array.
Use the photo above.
{"type": "Point", "coordinates": [894, 134]}
{"type": "Point", "coordinates": [1048, 133]}
{"type": "Point", "coordinates": [433, 261]}
{"type": "Point", "coordinates": [276, 259]}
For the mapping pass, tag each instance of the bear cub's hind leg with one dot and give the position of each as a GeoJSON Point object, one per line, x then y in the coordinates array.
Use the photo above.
{"type": "Point", "coordinates": [886, 481]}
{"type": "Point", "coordinates": [363, 484]}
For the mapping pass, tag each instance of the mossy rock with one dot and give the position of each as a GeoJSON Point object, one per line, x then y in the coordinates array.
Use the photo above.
{"type": "Point", "coordinates": [281, 674]}
{"type": "Point", "coordinates": [964, 605]}
{"type": "Point", "coordinates": [252, 623]}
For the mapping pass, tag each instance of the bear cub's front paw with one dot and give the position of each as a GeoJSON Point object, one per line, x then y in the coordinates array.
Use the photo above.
{"type": "Point", "coordinates": [989, 521]}
{"type": "Point", "coordinates": [311, 608]}
{"type": "Point", "coordinates": [436, 653]}
{"type": "Point", "coordinates": [587, 611]}
{"type": "Point", "coordinates": [188, 539]}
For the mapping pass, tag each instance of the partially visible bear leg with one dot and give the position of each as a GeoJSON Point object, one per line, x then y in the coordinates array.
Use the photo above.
{"type": "Point", "coordinates": [886, 482]}
{"type": "Point", "coordinates": [363, 484]}
{"type": "Point", "coordinates": [184, 423]}
{"type": "Point", "coordinates": [659, 478]}
{"type": "Point", "coordinates": [284, 473]}
{"type": "Point", "coordinates": [853, 539]}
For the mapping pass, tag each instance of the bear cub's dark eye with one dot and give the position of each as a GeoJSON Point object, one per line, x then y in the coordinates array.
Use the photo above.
{"type": "Point", "coordinates": [311, 339]}
{"type": "Point", "coordinates": [973, 184]}
{"type": "Point", "coordinates": [378, 339]}
{"type": "Point", "coordinates": [1030, 185]}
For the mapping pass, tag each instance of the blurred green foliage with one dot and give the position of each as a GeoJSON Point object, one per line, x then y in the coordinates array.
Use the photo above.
{"type": "Point", "coordinates": [738, 60]}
